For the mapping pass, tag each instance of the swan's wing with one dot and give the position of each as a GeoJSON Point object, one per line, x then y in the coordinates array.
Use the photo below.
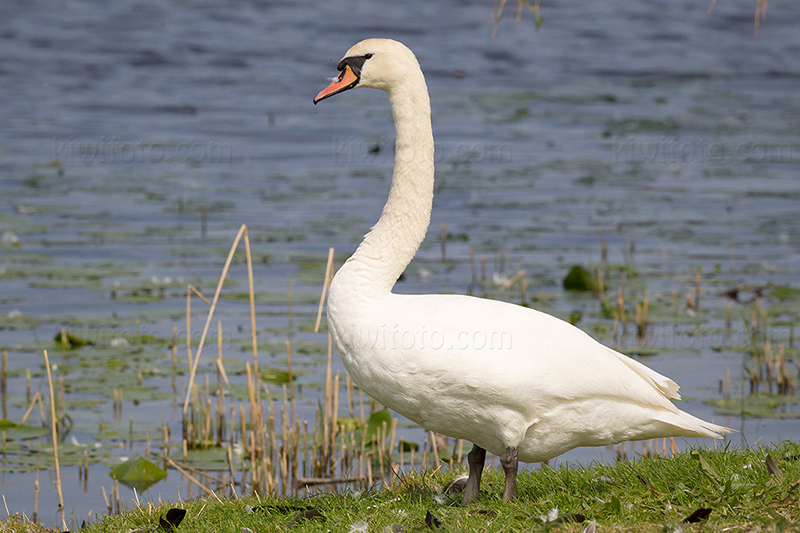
{"type": "Point", "coordinates": [666, 386]}
{"type": "Point", "coordinates": [524, 352]}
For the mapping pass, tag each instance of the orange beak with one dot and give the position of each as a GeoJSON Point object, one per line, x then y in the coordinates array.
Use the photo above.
{"type": "Point", "coordinates": [346, 80]}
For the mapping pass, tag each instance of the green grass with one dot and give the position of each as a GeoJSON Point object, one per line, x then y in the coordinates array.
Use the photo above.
{"type": "Point", "coordinates": [648, 494]}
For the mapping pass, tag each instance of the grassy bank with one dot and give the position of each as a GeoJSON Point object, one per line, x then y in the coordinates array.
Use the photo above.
{"type": "Point", "coordinates": [745, 490]}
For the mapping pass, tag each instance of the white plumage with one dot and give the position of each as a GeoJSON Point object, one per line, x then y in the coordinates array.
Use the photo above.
{"type": "Point", "coordinates": [517, 382]}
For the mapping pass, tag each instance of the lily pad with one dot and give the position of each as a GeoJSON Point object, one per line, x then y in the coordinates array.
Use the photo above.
{"type": "Point", "coordinates": [276, 376]}
{"type": "Point", "coordinates": [21, 432]}
{"type": "Point", "coordinates": [138, 473]}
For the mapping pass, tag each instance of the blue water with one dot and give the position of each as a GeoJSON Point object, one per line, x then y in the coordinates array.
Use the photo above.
{"type": "Point", "coordinates": [655, 125]}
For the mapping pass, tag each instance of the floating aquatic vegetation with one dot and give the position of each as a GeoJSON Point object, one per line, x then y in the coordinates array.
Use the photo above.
{"type": "Point", "coordinates": [138, 473]}
{"type": "Point", "coordinates": [759, 405]}
{"type": "Point", "coordinates": [14, 431]}
{"type": "Point", "coordinates": [70, 341]}
{"type": "Point", "coordinates": [580, 279]}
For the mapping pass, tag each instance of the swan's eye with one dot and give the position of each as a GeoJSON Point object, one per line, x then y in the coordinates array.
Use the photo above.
{"type": "Point", "coordinates": [367, 56]}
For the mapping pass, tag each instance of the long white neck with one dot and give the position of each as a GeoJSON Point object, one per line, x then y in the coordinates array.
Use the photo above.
{"type": "Point", "coordinates": [390, 246]}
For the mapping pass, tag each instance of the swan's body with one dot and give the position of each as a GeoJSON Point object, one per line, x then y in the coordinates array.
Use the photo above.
{"type": "Point", "coordinates": [517, 382]}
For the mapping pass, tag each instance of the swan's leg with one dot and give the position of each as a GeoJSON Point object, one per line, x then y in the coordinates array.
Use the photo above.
{"type": "Point", "coordinates": [475, 458]}
{"type": "Point", "coordinates": [510, 462]}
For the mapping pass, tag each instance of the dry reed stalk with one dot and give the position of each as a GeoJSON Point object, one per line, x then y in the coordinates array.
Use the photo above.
{"type": "Point", "coordinates": [768, 364]}
{"type": "Point", "coordinates": [516, 277]}
{"type": "Point", "coordinates": [36, 397]}
{"type": "Point", "coordinates": [350, 395]}
{"type": "Point", "coordinates": [252, 297]}
{"type": "Point", "coordinates": [28, 384]}
{"type": "Point", "coordinates": [220, 393]}
{"type": "Point", "coordinates": [727, 392]}
{"type": "Point", "coordinates": [232, 431]}
{"type": "Point", "coordinates": [295, 455]}
{"type": "Point", "coordinates": [761, 14]}
{"type": "Point", "coordinates": [189, 290]}
{"type": "Point", "coordinates": [325, 286]}
{"type": "Point", "coordinates": [193, 371]}
{"type": "Point", "coordinates": [105, 497]}
{"type": "Point", "coordinates": [251, 395]}
{"type": "Point", "coordinates": [305, 447]}
{"type": "Point", "coordinates": [304, 482]}
{"type": "Point", "coordinates": [232, 472]}
{"type": "Point", "coordinates": [189, 325]}
{"type": "Point", "coordinates": [243, 440]}
{"type": "Point", "coordinates": [675, 308]}
{"type": "Point", "coordinates": [285, 441]}
{"type": "Point", "coordinates": [335, 411]}
{"type": "Point", "coordinates": [363, 456]}
{"type": "Point", "coordinates": [165, 430]}
{"type": "Point", "coordinates": [435, 448]}
{"type": "Point", "coordinates": [269, 482]}
{"type": "Point", "coordinates": [36, 493]}
{"type": "Point", "coordinates": [207, 428]}
{"type": "Point", "coordinates": [53, 424]}
{"type": "Point", "coordinates": [270, 427]}
{"type": "Point", "coordinates": [255, 468]}
{"type": "Point", "coordinates": [381, 443]}
{"type": "Point", "coordinates": [191, 478]}
{"type": "Point", "coordinates": [291, 378]}
{"type": "Point", "coordinates": [344, 454]}
{"type": "Point", "coordinates": [392, 436]}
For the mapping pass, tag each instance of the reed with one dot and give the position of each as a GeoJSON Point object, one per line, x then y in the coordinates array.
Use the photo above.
{"type": "Point", "coordinates": [54, 430]}
{"type": "Point", "coordinates": [191, 478]}
{"type": "Point", "coordinates": [325, 285]}
{"type": "Point", "coordinates": [193, 371]}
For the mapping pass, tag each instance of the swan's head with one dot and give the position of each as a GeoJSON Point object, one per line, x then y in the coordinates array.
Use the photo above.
{"type": "Point", "coordinates": [375, 63]}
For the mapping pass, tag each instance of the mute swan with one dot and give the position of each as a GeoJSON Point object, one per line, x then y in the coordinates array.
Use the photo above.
{"type": "Point", "coordinates": [519, 383]}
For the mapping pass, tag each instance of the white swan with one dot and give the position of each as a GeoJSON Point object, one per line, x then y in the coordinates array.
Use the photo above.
{"type": "Point", "coordinates": [519, 383]}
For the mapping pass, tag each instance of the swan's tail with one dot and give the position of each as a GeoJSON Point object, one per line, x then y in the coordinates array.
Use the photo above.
{"type": "Point", "coordinates": [691, 426]}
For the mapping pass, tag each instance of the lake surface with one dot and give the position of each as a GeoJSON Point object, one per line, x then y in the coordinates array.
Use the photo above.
{"type": "Point", "coordinates": [136, 138]}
